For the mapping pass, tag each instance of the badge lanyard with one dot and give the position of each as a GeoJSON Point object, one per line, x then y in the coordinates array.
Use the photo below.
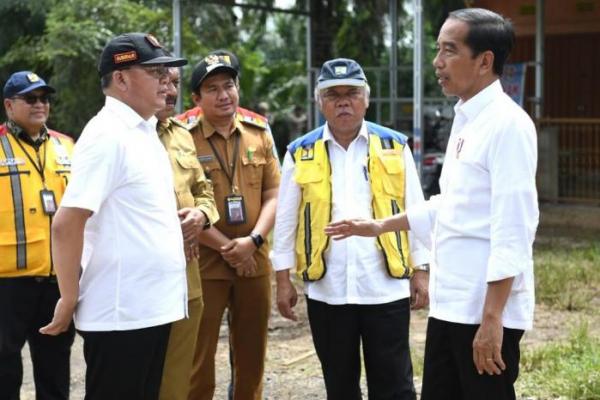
{"type": "Point", "coordinates": [235, 210]}
{"type": "Point", "coordinates": [39, 165]}
{"type": "Point", "coordinates": [236, 150]}
{"type": "Point", "coordinates": [47, 196]}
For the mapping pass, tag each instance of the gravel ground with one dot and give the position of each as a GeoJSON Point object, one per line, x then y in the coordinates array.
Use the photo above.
{"type": "Point", "coordinates": [292, 370]}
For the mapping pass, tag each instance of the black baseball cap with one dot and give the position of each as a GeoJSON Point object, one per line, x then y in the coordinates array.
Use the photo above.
{"type": "Point", "coordinates": [135, 48]}
{"type": "Point", "coordinates": [24, 82]}
{"type": "Point", "coordinates": [341, 72]}
{"type": "Point", "coordinates": [216, 61]}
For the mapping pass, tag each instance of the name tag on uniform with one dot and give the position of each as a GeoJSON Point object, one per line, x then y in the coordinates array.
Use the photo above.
{"type": "Point", "coordinates": [235, 209]}
{"type": "Point", "coordinates": [48, 201]}
{"type": "Point", "coordinates": [63, 160]}
{"type": "Point", "coordinates": [11, 162]}
{"type": "Point", "coordinates": [205, 159]}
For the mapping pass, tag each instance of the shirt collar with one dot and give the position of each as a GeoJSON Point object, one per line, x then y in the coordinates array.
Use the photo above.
{"type": "Point", "coordinates": [208, 130]}
{"type": "Point", "coordinates": [20, 134]}
{"type": "Point", "coordinates": [362, 133]}
{"type": "Point", "coordinates": [131, 118]}
{"type": "Point", "coordinates": [472, 107]}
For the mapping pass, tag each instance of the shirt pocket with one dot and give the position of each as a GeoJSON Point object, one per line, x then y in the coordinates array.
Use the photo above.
{"type": "Point", "coordinates": [253, 168]}
{"type": "Point", "coordinates": [183, 177]}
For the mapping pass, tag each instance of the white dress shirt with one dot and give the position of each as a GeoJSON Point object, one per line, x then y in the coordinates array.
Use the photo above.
{"type": "Point", "coordinates": [356, 271]}
{"type": "Point", "coordinates": [133, 261]}
{"type": "Point", "coordinates": [483, 223]}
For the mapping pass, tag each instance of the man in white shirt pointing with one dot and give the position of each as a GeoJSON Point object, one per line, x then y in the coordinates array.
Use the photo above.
{"type": "Point", "coordinates": [483, 223]}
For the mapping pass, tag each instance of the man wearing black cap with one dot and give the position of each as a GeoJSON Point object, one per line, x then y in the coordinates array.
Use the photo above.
{"type": "Point", "coordinates": [35, 164]}
{"type": "Point", "coordinates": [236, 152]}
{"type": "Point", "coordinates": [358, 290]}
{"type": "Point", "coordinates": [119, 222]}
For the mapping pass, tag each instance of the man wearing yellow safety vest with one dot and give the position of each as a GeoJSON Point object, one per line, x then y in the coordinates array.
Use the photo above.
{"type": "Point", "coordinates": [35, 164]}
{"type": "Point", "coordinates": [357, 290]}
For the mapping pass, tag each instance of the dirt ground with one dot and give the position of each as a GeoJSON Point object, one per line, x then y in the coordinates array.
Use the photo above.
{"type": "Point", "coordinates": [292, 369]}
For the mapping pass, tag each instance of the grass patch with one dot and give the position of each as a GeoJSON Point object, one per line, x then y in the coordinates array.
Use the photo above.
{"type": "Point", "coordinates": [568, 370]}
{"type": "Point", "coordinates": [567, 277]}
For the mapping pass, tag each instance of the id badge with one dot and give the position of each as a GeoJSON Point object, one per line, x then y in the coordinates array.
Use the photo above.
{"type": "Point", "coordinates": [48, 201]}
{"type": "Point", "coordinates": [235, 209]}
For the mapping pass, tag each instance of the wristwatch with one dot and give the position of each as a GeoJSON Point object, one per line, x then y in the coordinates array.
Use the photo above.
{"type": "Point", "coordinates": [257, 239]}
{"type": "Point", "coordinates": [422, 267]}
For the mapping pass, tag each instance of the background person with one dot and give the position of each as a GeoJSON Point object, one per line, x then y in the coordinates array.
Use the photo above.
{"type": "Point", "coordinates": [119, 221]}
{"type": "Point", "coordinates": [197, 212]}
{"type": "Point", "coordinates": [357, 290]}
{"type": "Point", "coordinates": [35, 164]}
{"type": "Point", "coordinates": [236, 152]}
{"type": "Point", "coordinates": [483, 222]}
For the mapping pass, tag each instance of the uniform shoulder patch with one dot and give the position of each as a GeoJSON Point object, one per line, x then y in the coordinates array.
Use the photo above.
{"type": "Point", "coordinates": [252, 118]}
{"type": "Point", "coordinates": [190, 117]}
{"type": "Point", "coordinates": [179, 123]}
{"type": "Point", "coordinates": [59, 135]}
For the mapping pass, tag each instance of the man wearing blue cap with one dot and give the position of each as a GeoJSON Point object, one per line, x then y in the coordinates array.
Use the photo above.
{"type": "Point", "coordinates": [35, 165]}
{"type": "Point", "coordinates": [119, 222]}
{"type": "Point", "coordinates": [357, 290]}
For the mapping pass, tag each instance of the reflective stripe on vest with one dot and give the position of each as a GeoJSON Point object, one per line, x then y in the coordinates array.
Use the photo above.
{"type": "Point", "coordinates": [17, 197]}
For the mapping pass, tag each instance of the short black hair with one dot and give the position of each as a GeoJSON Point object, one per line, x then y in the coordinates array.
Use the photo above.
{"type": "Point", "coordinates": [106, 80]}
{"type": "Point", "coordinates": [487, 31]}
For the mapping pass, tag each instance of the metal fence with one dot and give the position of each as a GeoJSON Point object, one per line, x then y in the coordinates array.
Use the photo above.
{"type": "Point", "coordinates": [570, 160]}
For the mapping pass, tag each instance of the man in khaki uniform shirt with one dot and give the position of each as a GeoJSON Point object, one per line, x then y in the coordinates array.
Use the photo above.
{"type": "Point", "coordinates": [197, 211]}
{"type": "Point", "coordinates": [236, 152]}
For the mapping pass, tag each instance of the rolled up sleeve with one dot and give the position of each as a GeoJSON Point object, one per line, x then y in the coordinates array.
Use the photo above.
{"type": "Point", "coordinates": [514, 206]}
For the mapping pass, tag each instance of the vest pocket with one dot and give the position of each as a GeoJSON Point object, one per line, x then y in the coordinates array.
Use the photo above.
{"type": "Point", "coordinates": [393, 179]}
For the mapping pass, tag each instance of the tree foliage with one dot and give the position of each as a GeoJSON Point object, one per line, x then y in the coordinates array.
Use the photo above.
{"type": "Point", "coordinates": [62, 40]}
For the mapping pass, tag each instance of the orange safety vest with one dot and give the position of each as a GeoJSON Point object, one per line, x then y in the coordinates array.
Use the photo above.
{"type": "Point", "coordinates": [24, 227]}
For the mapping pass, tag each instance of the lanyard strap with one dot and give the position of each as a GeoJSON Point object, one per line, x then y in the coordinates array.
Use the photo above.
{"type": "Point", "coordinates": [236, 150]}
{"type": "Point", "coordinates": [39, 165]}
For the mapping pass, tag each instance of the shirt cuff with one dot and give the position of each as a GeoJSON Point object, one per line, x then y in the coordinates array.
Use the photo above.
{"type": "Point", "coordinates": [420, 257]}
{"type": "Point", "coordinates": [503, 266]}
{"type": "Point", "coordinates": [420, 223]}
{"type": "Point", "coordinates": [283, 261]}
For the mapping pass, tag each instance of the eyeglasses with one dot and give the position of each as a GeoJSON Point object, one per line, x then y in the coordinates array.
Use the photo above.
{"type": "Point", "coordinates": [157, 72]}
{"type": "Point", "coordinates": [31, 99]}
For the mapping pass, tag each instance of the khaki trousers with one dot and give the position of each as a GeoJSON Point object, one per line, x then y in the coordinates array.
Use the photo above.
{"type": "Point", "coordinates": [249, 304]}
{"type": "Point", "coordinates": [177, 372]}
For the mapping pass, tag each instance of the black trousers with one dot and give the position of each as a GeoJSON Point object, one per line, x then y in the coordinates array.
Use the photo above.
{"type": "Point", "coordinates": [125, 365]}
{"type": "Point", "coordinates": [26, 305]}
{"type": "Point", "coordinates": [449, 371]}
{"type": "Point", "coordinates": [337, 332]}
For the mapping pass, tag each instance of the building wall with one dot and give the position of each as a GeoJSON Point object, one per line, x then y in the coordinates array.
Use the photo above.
{"type": "Point", "coordinates": [560, 16]}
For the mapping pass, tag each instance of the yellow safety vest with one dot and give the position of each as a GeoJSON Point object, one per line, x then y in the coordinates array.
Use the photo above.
{"type": "Point", "coordinates": [387, 180]}
{"type": "Point", "coordinates": [24, 227]}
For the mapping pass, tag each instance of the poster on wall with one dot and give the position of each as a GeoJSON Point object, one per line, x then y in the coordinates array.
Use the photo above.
{"type": "Point", "coordinates": [513, 81]}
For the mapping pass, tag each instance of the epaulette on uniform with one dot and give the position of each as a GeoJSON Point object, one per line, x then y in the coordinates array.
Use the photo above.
{"type": "Point", "coordinates": [179, 123]}
{"type": "Point", "coordinates": [191, 117]}
{"type": "Point", "coordinates": [252, 118]}
{"type": "Point", "coordinates": [59, 135]}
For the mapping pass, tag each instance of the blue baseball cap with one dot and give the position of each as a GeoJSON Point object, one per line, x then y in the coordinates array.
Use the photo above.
{"type": "Point", "coordinates": [341, 72]}
{"type": "Point", "coordinates": [24, 82]}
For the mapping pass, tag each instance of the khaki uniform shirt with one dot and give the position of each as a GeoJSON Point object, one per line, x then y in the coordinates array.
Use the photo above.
{"type": "Point", "coordinates": [192, 189]}
{"type": "Point", "coordinates": [256, 170]}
